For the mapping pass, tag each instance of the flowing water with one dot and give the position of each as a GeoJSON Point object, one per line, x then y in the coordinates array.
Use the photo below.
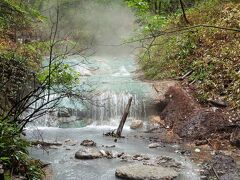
{"type": "Point", "coordinates": [111, 81]}
{"type": "Point", "coordinates": [114, 82]}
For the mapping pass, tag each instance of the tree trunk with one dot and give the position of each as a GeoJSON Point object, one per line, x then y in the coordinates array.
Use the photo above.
{"type": "Point", "coordinates": [1, 172]}
{"type": "Point", "coordinates": [183, 11]}
{"type": "Point", "coordinates": [124, 117]}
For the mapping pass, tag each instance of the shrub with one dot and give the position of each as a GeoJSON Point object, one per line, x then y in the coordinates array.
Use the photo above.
{"type": "Point", "coordinates": [14, 154]}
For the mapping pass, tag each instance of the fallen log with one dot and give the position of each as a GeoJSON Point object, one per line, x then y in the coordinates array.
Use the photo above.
{"type": "Point", "coordinates": [124, 117]}
{"type": "Point", "coordinates": [44, 143]}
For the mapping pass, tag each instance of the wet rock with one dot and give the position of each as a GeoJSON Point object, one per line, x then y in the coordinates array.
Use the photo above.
{"type": "Point", "coordinates": [157, 120]}
{"type": "Point", "coordinates": [136, 124]}
{"type": "Point", "coordinates": [167, 162]}
{"type": "Point", "coordinates": [103, 153]}
{"type": "Point", "coordinates": [88, 153]}
{"type": "Point", "coordinates": [126, 157]}
{"type": "Point", "coordinates": [183, 152]}
{"type": "Point", "coordinates": [112, 146]}
{"type": "Point", "coordinates": [115, 154]}
{"type": "Point", "coordinates": [109, 154]}
{"type": "Point", "coordinates": [140, 157]}
{"type": "Point", "coordinates": [201, 142]}
{"type": "Point", "coordinates": [235, 137]}
{"type": "Point", "coordinates": [225, 166]}
{"type": "Point", "coordinates": [88, 143]}
{"type": "Point", "coordinates": [69, 142]}
{"type": "Point", "coordinates": [48, 173]}
{"type": "Point", "coordinates": [120, 154]}
{"type": "Point", "coordinates": [142, 172]}
{"type": "Point", "coordinates": [63, 112]}
{"type": "Point", "coordinates": [154, 145]}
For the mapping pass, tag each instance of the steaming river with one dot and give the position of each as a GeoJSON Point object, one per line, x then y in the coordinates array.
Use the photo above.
{"type": "Point", "coordinates": [113, 80]}
{"type": "Point", "coordinates": [109, 75]}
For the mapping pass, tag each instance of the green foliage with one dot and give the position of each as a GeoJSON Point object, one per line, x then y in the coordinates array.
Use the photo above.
{"type": "Point", "coordinates": [153, 14]}
{"type": "Point", "coordinates": [212, 54]}
{"type": "Point", "coordinates": [61, 74]}
{"type": "Point", "coordinates": [14, 154]}
{"type": "Point", "coordinates": [14, 13]}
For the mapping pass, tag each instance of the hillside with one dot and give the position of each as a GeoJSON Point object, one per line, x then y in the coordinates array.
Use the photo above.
{"type": "Point", "coordinates": [204, 52]}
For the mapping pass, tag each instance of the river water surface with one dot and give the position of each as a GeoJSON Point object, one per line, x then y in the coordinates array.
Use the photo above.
{"type": "Point", "coordinates": [114, 82]}
{"type": "Point", "coordinates": [110, 76]}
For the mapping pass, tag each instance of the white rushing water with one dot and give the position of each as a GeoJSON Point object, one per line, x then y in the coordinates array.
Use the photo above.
{"type": "Point", "coordinates": [111, 81]}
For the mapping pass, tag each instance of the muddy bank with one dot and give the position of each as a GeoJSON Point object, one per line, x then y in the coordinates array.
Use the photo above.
{"type": "Point", "coordinates": [190, 121]}
{"type": "Point", "coordinates": [206, 133]}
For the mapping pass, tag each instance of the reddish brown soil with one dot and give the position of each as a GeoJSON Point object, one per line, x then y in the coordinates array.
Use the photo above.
{"type": "Point", "coordinates": [190, 121]}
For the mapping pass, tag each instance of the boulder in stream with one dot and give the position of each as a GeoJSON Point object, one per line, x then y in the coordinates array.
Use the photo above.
{"type": "Point", "coordinates": [88, 153]}
{"type": "Point", "coordinates": [142, 172]}
{"type": "Point", "coordinates": [88, 143]}
{"type": "Point", "coordinates": [136, 124]}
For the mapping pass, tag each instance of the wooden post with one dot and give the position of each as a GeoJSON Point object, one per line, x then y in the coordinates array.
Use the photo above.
{"type": "Point", "coordinates": [124, 117]}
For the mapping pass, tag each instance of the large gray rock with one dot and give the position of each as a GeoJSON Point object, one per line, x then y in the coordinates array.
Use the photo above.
{"type": "Point", "coordinates": [143, 172]}
{"type": "Point", "coordinates": [63, 112]}
{"type": "Point", "coordinates": [136, 124]}
{"type": "Point", "coordinates": [88, 153]}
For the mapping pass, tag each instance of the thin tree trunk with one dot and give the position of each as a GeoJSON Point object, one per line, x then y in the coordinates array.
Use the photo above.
{"type": "Point", "coordinates": [1, 172]}
{"type": "Point", "coordinates": [124, 117]}
{"type": "Point", "coordinates": [183, 11]}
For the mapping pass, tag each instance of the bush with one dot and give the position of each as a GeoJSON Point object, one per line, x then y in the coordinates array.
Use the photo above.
{"type": "Point", "coordinates": [14, 154]}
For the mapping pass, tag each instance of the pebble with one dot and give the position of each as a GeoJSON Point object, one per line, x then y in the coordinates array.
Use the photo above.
{"type": "Point", "coordinates": [154, 145]}
{"type": "Point", "coordinates": [197, 150]}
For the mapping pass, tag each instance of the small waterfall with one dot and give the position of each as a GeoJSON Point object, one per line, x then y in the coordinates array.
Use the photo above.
{"type": "Point", "coordinates": [112, 87]}
{"type": "Point", "coordinates": [109, 107]}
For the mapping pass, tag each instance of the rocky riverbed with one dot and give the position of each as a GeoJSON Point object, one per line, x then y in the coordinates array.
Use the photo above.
{"type": "Point", "coordinates": [101, 157]}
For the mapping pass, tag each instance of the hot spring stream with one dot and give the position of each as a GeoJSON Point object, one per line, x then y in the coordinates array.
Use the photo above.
{"type": "Point", "coordinates": [113, 80]}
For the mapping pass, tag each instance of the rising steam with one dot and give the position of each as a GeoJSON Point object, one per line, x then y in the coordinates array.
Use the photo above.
{"type": "Point", "coordinates": [99, 23]}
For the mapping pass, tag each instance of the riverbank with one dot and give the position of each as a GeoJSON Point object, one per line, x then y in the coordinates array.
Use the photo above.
{"type": "Point", "coordinates": [206, 134]}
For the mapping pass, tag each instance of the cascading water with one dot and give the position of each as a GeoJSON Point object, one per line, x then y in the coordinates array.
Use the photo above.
{"type": "Point", "coordinates": [110, 106]}
{"type": "Point", "coordinates": [112, 83]}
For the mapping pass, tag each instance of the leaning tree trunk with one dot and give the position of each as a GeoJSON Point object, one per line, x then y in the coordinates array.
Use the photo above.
{"type": "Point", "coordinates": [124, 117]}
